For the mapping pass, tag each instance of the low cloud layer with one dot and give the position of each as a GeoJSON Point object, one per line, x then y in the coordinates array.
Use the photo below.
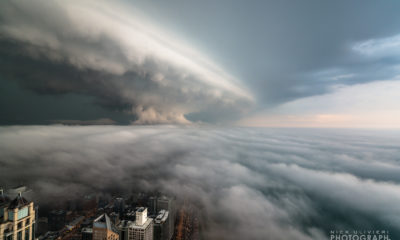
{"type": "Point", "coordinates": [111, 52]}
{"type": "Point", "coordinates": [253, 183]}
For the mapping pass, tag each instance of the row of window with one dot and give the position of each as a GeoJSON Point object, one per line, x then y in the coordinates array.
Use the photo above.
{"type": "Point", "coordinates": [19, 235]}
{"type": "Point", "coordinates": [24, 212]}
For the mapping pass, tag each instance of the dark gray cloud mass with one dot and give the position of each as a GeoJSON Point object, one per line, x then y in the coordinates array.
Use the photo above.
{"type": "Point", "coordinates": [103, 50]}
{"type": "Point", "coordinates": [253, 183]}
{"type": "Point", "coordinates": [109, 55]}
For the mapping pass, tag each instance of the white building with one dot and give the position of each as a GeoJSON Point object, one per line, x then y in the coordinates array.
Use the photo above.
{"type": "Point", "coordinates": [140, 229]}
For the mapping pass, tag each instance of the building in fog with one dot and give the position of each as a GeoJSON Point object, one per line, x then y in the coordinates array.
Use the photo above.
{"type": "Point", "coordinates": [57, 220]}
{"type": "Point", "coordinates": [119, 206]}
{"type": "Point", "coordinates": [152, 205]}
{"type": "Point", "coordinates": [42, 225]}
{"type": "Point", "coordinates": [162, 227]}
{"type": "Point", "coordinates": [140, 229]}
{"type": "Point", "coordinates": [156, 204]}
{"type": "Point", "coordinates": [168, 204]}
{"type": "Point", "coordinates": [88, 203]}
{"type": "Point", "coordinates": [17, 218]}
{"type": "Point", "coordinates": [104, 229]}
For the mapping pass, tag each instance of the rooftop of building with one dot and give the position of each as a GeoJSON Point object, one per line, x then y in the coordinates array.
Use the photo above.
{"type": "Point", "coordinates": [130, 214]}
{"type": "Point", "coordinates": [18, 202]}
{"type": "Point", "coordinates": [141, 209]}
{"type": "Point", "coordinates": [58, 212]}
{"type": "Point", "coordinates": [132, 224]}
{"type": "Point", "coordinates": [124, 224]}
{"type": "Point", "coordinates": [161, 217]}
{"type": "Point", "coordinates": [76, 221]}
{"type": "Point", "coordinates": [87, 230]}
{"type": "Point", "coordinates": [104, 221]}
{"type": "Point", "coordinates": [18, 189]}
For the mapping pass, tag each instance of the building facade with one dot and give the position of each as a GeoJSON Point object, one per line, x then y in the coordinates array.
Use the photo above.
{"type": "Point", "coordinates": [162, 228]}
{"type": "Point", "coordinates": [57, 220]}
{"type": "Point", "coordinates": [17, 218]}
{"type": "Point", "coordinates": [168, 204]}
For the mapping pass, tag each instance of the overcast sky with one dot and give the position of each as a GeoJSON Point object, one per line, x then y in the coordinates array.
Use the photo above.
{"type": "Point", "coordinates": [264, 63]}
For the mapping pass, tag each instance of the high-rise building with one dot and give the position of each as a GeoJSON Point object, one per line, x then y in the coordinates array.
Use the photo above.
{"type": "Point", "coordinates": [119, 206]}
{"type": "Point", "coordinates": [124, 230]}
{"type": "Point", "coordinates": [168, 204]}
{"type": "Point", "coordinates": [17, 218]}
{"type": "Point", "coordinates": [156, 204]}
{"type": "Point", "coordinates": [104, 229]}
{"type": "Point", "coordinates": [152, 205]}
{"type": "Point", "coordinates": [28, 195]}
{"type": "Point", "coordinates": [140, 229]}
{"type": "Point", "coordinates": [57, 220]}
{"type": "Point", "coordinates": [162, 228]}
{"type": "Point", "coordinates": [42, 225]}
{"type": "Point", "coordinates": [114, 217]}
{"type": "Point", "coordinates": [88, 203]}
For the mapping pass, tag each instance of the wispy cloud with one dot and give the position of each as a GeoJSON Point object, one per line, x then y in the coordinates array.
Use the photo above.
{"type": "Point", "coordinates": [380, 47]}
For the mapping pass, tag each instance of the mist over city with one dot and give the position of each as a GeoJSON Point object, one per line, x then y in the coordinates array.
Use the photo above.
{"type": "Point", "coordinates": [249, 183]}
{"type": "Point", "coordinates": [199, 120]}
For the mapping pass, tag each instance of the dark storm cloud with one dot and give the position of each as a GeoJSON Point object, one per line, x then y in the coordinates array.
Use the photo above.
{"type": "Point", "coordinates": [277, 47]}
{"type": "Point", "coordinates": [282, 50]}
{"type": "Point", "coordinates": [100, 49]}
{"type": "Point", "coordinates": [251, 183]}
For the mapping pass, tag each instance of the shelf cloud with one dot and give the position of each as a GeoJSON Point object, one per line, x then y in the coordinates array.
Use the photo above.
{"type": "Point", "coordinates": [128, 64]}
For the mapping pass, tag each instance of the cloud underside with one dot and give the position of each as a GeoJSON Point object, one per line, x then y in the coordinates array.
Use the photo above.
{"type": "Point", "coordinates": [103, 50]}
{"type": "Point", "coordinates": [251, 183]}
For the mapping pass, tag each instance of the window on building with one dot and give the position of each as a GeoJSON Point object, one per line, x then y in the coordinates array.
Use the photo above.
{"type": "Point", "coordinates": [27, 235]}
{"type": "Point", "coordinates": [19, 225]}
{"type": "Point", "coordinates": [19, 235]}
{"type": "Point", "coordinates": [23, 213]}
{"type": "Point", "coordinates": [10, 215]}
{"type": "Point", "coordinates": [9, 237]}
